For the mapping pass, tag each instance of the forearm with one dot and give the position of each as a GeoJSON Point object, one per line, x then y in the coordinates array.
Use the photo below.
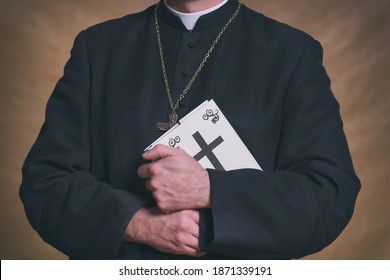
{"type": "Point", "coordinates": [283, 214]}
{"type": "Point", "coordinates": [83, 218]}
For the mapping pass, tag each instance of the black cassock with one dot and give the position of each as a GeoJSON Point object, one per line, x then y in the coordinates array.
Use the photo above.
{"type": "Point", "coordinates": [80, 186]}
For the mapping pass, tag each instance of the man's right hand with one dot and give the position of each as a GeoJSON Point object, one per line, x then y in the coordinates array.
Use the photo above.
{"type": "Point", "coordinates": [175, 233]}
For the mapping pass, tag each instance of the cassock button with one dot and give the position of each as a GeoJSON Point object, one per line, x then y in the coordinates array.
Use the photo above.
{"type": "Point", "coordinates": [184, 73]}
{"type": "Point", "coordinates": [191, 45]}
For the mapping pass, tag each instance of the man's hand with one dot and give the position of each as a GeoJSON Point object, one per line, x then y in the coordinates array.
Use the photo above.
{"type": "Point", "coordinates": [175, 233]}
{"type": "Point", "coordinates": [176, 180]}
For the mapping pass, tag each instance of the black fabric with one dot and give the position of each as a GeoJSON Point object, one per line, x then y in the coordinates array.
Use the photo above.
{"type": "Point", "coordinates": [80, 186]}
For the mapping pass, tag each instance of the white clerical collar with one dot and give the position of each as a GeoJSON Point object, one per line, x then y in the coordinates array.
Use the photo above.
{"type": "Point", "coordinates": [189, 19]}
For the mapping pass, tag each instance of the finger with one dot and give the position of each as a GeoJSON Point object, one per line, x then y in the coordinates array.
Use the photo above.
{"type": "Point", "coordinates": [148, 186]}
{"type": "Point", "coordinates": [196, 216]}
{"type": "Point", "coordinates": [159, 152]}
{"type": "Point", "coordinates": [192, 227]}
{"type": "Point", "coordinates": [144, 171]}
{"type": "Point", "coordinates": [192, 242]}
{"type": "Point", "coordinates": [154, 185]}
{"type": "Point", "coordinates": [199, 254]}
{"type": "Point", "coordinates": [188, 251]}
{"type": "Point", "coordinates": [193, 252]}
{"type": "Point", "coordinates": [194, 230]}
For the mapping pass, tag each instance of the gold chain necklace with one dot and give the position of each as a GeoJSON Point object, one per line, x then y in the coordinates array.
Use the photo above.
{"type": "Point", "coordinates": [173, 118]}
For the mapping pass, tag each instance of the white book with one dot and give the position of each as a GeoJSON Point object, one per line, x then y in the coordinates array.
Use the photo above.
{"type": "Point", "coordinates": [206, 135]}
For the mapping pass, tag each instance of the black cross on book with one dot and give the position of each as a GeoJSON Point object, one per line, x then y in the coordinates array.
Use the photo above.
{"type": "Point", "coordinates": [207, 150]}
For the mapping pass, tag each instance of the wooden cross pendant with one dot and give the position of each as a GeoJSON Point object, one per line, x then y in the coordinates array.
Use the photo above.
{"type": "Point", "coordinates": [162, 126]}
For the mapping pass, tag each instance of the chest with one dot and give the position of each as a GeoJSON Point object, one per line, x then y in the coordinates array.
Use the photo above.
{"type": "Point", "coordinates": [130, 95]}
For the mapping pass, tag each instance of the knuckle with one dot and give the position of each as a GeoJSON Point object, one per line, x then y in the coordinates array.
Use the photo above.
{"type": "Point", "coordinates": [163, 206]}
{"type": "Point", "coordinates": [158, 198]}
{"type": "Point", "coordinates": [188, 215]}
{"type": "Point", "coordinates": [181, 153]}
{"type": "Point", "coordinates": [160, 205]}
{"type": "Point", "coordinates": [194, 214]}
{"type": "Point", "coordinates": [154, 169]}
{"type": "Point", "coordinates": [183, 225]}
{"type": "Point", "coordinates": [158, 148]}
{"type": "Point", "coordinates": [180, 238]}
{"type": "Point", "coordinates": [153, 184]}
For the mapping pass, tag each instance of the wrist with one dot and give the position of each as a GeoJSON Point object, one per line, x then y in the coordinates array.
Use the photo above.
{"type": "Point", "coordinates": [136, 226]}
{"type": "Point", "coordinates": [206, 197]}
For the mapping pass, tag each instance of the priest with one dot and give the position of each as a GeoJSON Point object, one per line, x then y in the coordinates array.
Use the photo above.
{"type": "Point", "coordinates": [91, 191]}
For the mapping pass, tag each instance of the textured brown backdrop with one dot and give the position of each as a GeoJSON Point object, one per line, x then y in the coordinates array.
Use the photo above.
{"type": "Point", "coordinates": [36, 37]}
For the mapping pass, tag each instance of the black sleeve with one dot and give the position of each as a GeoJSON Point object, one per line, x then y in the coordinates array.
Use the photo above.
{"type": "Point", "coordinates": [307, 200]}
{"type": "Point", "coordinates": [69, 208]}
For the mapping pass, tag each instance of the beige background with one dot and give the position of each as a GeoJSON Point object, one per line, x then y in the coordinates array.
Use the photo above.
{"type": "Point", "coordinates": [36, 37]}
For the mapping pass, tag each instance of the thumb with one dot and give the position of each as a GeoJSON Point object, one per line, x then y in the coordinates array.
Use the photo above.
{"type": "Point", "coordinates": [159, 152]}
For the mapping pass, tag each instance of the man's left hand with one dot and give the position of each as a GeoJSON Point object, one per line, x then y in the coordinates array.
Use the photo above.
{"type": "Point", "coordinates": [177, 181]}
